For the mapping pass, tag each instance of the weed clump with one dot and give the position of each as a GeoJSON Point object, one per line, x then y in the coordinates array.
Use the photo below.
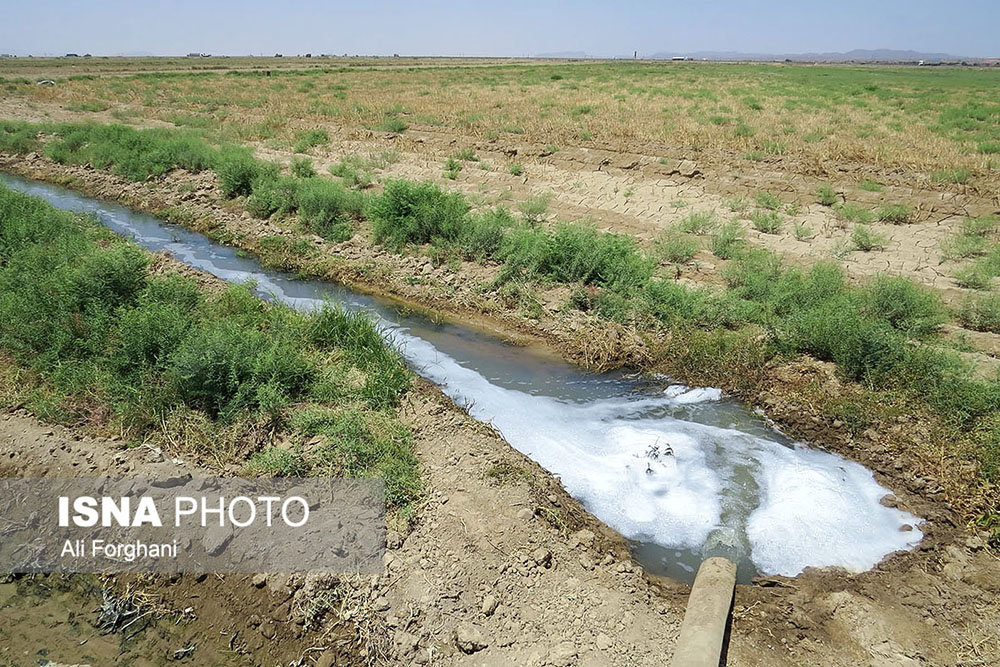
{"type": "Point", "coordinates": [107, 341]}
{"type": "Point", "coordinates": [409, 212]}
{"type": "Point", "coordinates": [727, 240]}
{"type": "Point", "coordinates": [310, 139]}
{"type": "Point", "coordinates": [769, 222]}
{"type": "Point", "coordinates": [328, 208]}
{"type": "Point", "coordinates": [896, 214]}
{"type": "Point", "coordinates": [866, 239]}
{"type": "Point", "coordinates": [676, 247]}
{"type": "Point", "coordinates": [826, 196]}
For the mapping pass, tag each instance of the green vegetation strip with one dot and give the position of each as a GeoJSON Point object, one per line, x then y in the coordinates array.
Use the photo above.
{"type": "Point", "coordinates": [94, 337]}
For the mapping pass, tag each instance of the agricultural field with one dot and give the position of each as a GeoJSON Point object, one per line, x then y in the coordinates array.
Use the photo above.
{"type": "Point", "coordinates": [821, 242]}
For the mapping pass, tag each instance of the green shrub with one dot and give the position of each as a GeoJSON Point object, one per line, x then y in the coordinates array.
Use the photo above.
{"type": "Point", "coordinates": [238, 169]}
{"type": "Point", "coordinates": [699, 222]}
{"type": "Point", "coordinates": [727, 240]}
{"type": "Point", "coordinates": [224, 368]}
{"type": "Point", "coordinates": [768, 201]}
{"type": "Point", "coordinates": [769, 222]}
{"type": "Point", "coordinates": [302, 167]}
{"type": "Point", "coordinates": [534, 207]}
{"type": "Point", "coordinates": [865, 349]}
{"type": "Point", "coordinates": [483, 234]}
{"type": "Point", "coordinates": [896, 214]}
{"type": "Point", "coordinates": [18, 138]}
{"type": "Point", "coordinates": [826, 196]}
{"type": "Point", "coordinates": [905, 305]}
{"type": "Point", "coordinates": [409, 212]}
{"type": "Point", "coordinates": [981, 313]}
{"type": "Point", "coordinates": [675, 246]}
{"type": "Point", "coordinates": [270, 196]}
{"type": "Point", "coordinates": [134, 154]}
{"type": "Point", "coordinates": [310, 139]}
{"type": "Point", "coordinates": [516, 169]}
{"type": "Point", "coordinates": [328, 208]}
{"type": "Point", "coordinates": [866, 239]}
{"type": "Point", "coordinates": [103, 336]}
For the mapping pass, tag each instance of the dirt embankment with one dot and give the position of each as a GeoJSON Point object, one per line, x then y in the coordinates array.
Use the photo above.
{"type": "Point", "coordinates": [503, 568]}
{"type": "Point", "coordinates": [496, 530]}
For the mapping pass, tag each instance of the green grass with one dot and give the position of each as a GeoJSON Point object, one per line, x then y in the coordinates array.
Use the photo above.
{"type": "Point", "coordinates": [826, 196]}
{"type": "Point", "coordinates": [981, 313]}
{"type": "Point", "coordinates": [358, 172]}
{"type": "Point", "coordinates": [896, 214]}
{"type": "Point", "coordinates": [957, 175]}
{"type": "Point", "coordinates": [451, 168]}
{"type": "Point", "coordinates": [971, 240]}
{"type": "Point", "coordinates": [676, 246]}
{"type": "Point", "coordinates": [866, 239]}
{"type": "Point", "coordinates": [802, 232]}
{"type": "Point", "coordinates": [101, 340]}
{"type": "Point", "coordinates": [700, 222]}
{"type": "Point", "coordinates": [854, 213]}
{"type": "Point", "coordinates": [727, 240]}
{"type": "Point", "coordinates": [310, 139]}
{"type": "Point", "coordinates": [466, 155]}
{"type": "Point", "coordinates": [768, 201]}
{"type": "Point", "coordinates": [769, 222]}
{"type": "Point", "coordinates": [393, 125]}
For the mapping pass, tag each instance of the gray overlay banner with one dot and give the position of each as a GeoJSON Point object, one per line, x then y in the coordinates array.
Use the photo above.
{"type": "Point", "coordinates": [191, 525]}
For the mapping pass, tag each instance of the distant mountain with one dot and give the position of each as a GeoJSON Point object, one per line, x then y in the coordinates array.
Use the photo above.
{"type": "Point", "coordinates": [864, 55]}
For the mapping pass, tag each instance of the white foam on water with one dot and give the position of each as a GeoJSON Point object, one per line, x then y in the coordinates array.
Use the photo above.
{"type": "Point", "coordinates": [664, 480]}
{"type": "Point", "coordinates": [819, 510]}
{"type": "Point", "coordinates": [687, 395]}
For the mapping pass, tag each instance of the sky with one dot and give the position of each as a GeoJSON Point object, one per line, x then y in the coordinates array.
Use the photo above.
{"type": "Point", "coordinates": [508, 28]}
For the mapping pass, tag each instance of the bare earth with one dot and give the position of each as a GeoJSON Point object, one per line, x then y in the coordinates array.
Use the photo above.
{"type": "Point", "coordinates": [486, 579]}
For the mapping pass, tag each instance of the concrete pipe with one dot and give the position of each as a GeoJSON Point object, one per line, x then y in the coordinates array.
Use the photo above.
{"type": "Point", "coordinates": [703, 632]}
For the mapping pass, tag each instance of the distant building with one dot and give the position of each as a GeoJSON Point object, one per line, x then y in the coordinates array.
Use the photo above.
{"type": "Point", "coordinates": [278, 55]}
{"type": "Point", "coordinates": [72, 55]}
